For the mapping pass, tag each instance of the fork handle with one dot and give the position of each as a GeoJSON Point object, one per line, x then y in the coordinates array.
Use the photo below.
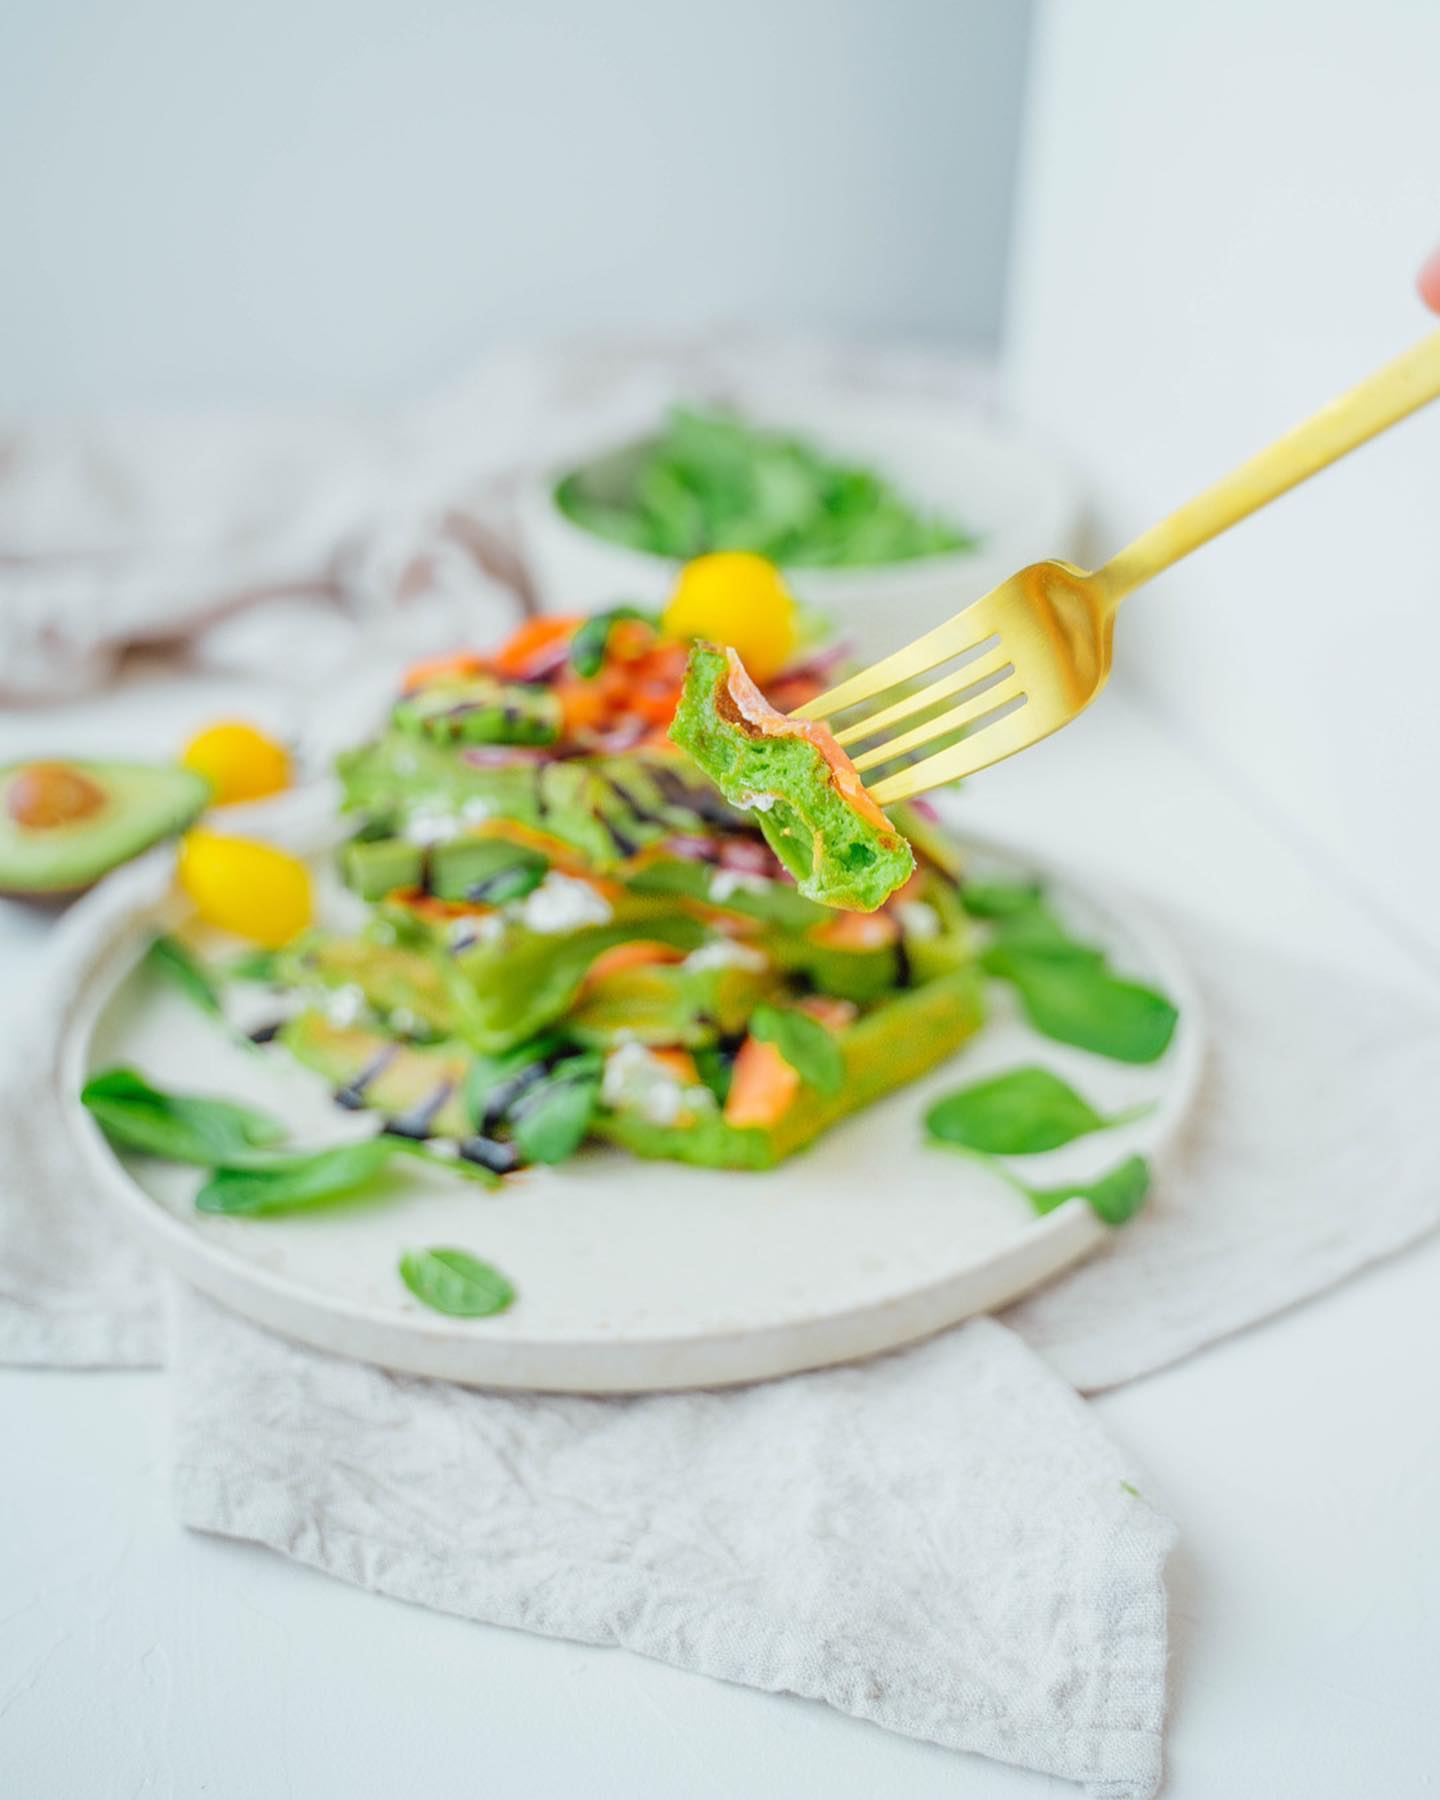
{"type": "Point", "coordinates": [1386, 397]}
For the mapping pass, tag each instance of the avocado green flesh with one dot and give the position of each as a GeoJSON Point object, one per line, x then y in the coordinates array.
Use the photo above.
{"type": "Point", "coordinates": [837, 855]}
{"type": "Point", "coordinates": [484, 870]}
{"type": "Point", "coordinates": [772, 902]}
{"type": "Point", "coordinates": [393, 980]}
{"type": "Point", "coordinates": [405, 1077]}
{"type": "Point", "coordinates": [605, 808]}
{"type": "Point", "coordinates": [142, 804]}
{"type": "Point", "coordinates": [668, 1004]}
{"type": "Point", "coordinates": [481, 710]}
{"type": "Point", "coordinates": [491, 996]}
{"type": "Point", "coordinates": [895, 1044]}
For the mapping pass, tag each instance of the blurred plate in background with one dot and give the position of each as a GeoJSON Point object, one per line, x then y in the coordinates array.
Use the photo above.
{"type": "Point", "coordinates": [1018, 501]}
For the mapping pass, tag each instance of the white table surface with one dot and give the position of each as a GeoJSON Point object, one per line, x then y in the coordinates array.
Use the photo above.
{"type": "Point", "coordinates": [1302, 1461]}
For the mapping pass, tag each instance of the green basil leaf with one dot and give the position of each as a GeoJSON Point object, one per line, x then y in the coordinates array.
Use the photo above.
{"type": "Point", "coordinates": [168, 958]}
{"type": "Point", "coordinates": [508, 991]}
{"type": "Point", "coordinates": [441, 1159]}
{"type": "Point", "coordinates": [281, 1181]}
{"type": "Point", "coordinates": [187, 1128]}
{"type": "Point", "coordinates": [493, 1082]}
{"type": "Point", "coordinates": [1116, 1196]}
{"type": "Point", "coordinates": [549, 1121]}
{"type": "Point", "coordinates": [1038, 932]}
{"type": "Point", "coordinates": [1080, 1002]}
{"type": "Point", "coordinates": [716, 1070]}
{"type": "Point", "coordinates": [810, 1049]}
{"type": "Point", "coordinates": [455, 1283]}
{"type": "Point", "coordinates": [1018, 1114]}
{"type": "Point", "coordinates": [590, 642]}
{"type": "Point", "coordinates": [711, 481]}
{"type": "Point", "coordinates": [999, 899]}
{"type": "Point", "coordinates": [288, 1182]}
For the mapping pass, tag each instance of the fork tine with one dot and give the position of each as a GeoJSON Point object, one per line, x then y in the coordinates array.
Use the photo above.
{"type": "Point", "coordinates": [968, 712]}
{"type": "Point", "coordinates": [980, 668]}
{"type": "Point", "coordinates": [967, 630]}
{"type": "Point", "coordinates": [988, 744]}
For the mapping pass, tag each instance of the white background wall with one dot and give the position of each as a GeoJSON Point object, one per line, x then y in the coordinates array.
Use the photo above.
{"type": "Point", "coordinates": [1223, 211]}
{"type": "Point", "coordinates": [302, 201]}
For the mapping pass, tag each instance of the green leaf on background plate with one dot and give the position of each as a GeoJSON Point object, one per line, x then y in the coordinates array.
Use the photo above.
{"type": "Point", "coordinates": [174, 962]}
{"type": "Point", "coordinates": [1021, 1113]}
{"type": "Point", "coordinates": [810, 1049]}
{"type": "Point", "coordinates": [455, 1283]}
{"type": "Point", "coordinates": [712, 481]}
{"type": "Point", "coordinates": [187, 1128]}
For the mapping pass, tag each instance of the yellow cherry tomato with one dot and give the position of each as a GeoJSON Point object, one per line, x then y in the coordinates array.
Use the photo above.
{"type": "Point", "coordinates": [252, 889]}
{"type": "Point", "coordinates": [239, 762]}
{"type": "Point", "coordinates": [733, 597]}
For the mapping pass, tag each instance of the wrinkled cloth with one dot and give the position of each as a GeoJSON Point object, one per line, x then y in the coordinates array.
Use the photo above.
{"type": "Point", "coordinates": [942, 1541]}
{"type": "Point", "coordinates": [331, 534]}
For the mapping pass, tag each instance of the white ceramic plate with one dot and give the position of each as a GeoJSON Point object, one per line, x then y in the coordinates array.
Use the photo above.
{"type": "Point", "coordinates": [631, 1275]}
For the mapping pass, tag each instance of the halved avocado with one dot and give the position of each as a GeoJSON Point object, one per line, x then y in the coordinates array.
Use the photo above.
{"type": "Point", "coordinates": [65, 824]}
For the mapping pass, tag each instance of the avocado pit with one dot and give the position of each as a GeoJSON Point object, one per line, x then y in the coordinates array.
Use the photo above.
{"type": "Point", "coordinates": [43, 795]}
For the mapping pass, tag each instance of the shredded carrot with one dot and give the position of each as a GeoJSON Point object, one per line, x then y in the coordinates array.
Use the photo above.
{"type": "Point", "coordinates": [530, 647]}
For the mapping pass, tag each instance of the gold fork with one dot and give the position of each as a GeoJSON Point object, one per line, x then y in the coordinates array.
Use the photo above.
{"type": "Point", "coordinates": [1035, 651]}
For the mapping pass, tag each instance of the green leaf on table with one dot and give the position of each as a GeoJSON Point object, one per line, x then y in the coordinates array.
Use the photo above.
{"type": "Point", "coordinates": [1115, 1196]}
{"type": "Point", "coordinates": [548, 1122]}
{"type": "Point", "coordinates": [455, 1283]}
{"type": "Point", "coordinates": [590, 642]}
{"type": "Point", "coordinates": [1020, 1113]}
{"type": "Point", "coordinates": [810, 1049]}
{"type": "Point", "coordinates": [174, 962]}
{"type": "Point", "coordinates": [1079, 1001]}
{"type": "Point", "coordinates": [187, 1128]}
